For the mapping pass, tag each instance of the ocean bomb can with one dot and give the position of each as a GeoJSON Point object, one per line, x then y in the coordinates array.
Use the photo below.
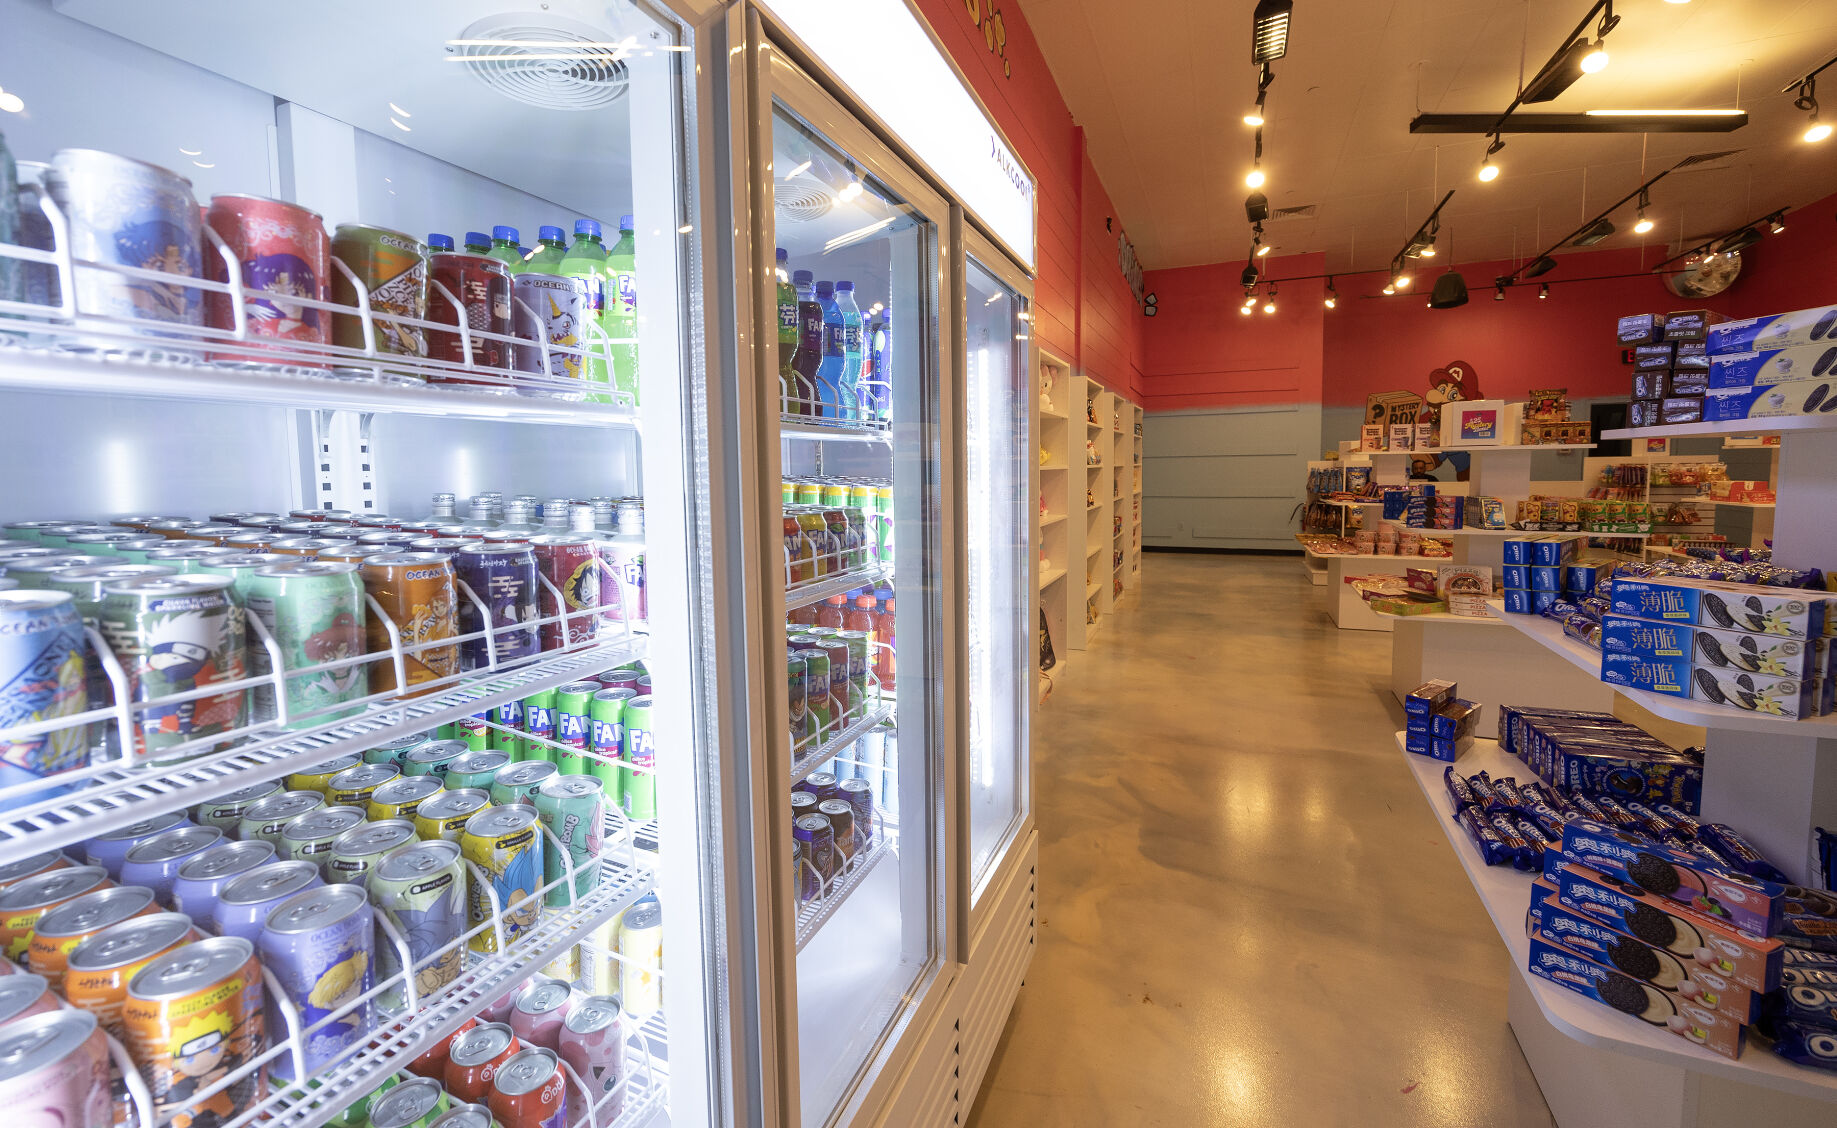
{"type": "Point", "coordinates": [433, 758]}
{"type": "Point", "coordinates": [638, 789]}
{"type": "Point", "coordinates": [315, 611]}
{"type": "Point", "coordinates": [505, 843]}
{"type": "Point", "coordinates": [530, 1090]}
{"type": "Point", "coordinates": [571, 563]}
{"type": "Point", "coordinates": [24, 995]}
{"type": "Point", "coordinates": [42, 676]}
{"type": "Point", "coordinates": [22, 904]}
{"type": "Point", "coordinates": [310, 836]}
{"type": "Point", "coordinates": [559, 305]}
{"type": "Point", "coordinates": [537, 1015]}
{"type": "Point", "coordinates": [284, 255]}
{"type": "Point", "coordinates": [573, 809]}
{"type": "Point", "coordinates": [60, 930]}
{"type": "Point", "coordinates": [225, 812]}
{"type": "Point", "coordinates": [481, 285]}
{"type": "Point", "coordinates": [99, 969]}
{"type": "Point", "coordinates": [110, 848]}
{"type": "Point", "coordinates": [193, 1017]}
{"type": "Point", "coordinates": [519, 783]}
{"type": "Point", "coordinates": [421, 890]}
{"type": "Point", "coordinates": [320, 946]}
{"type": "Point", "coordinates": [402, 798]}
{"type": "Point", "coordinates": [266, 818]}
{"type": "Point", "coordinates": [318, 777]}
{"type": "Point", "coordinates": [13, 873]}
{"type": "Point", "coordinates": [395, 750]}
{"type": "Point", "coordinates": [355, 786]}
{"type": "Point", "coordinates": [174, 634]}
{"type": "Point", "coordinates": [592, 1042]}
{"type": "Point", "coordinates": [640, 947]}
{"type": "Point", "coordinates": [392, 268]}
{"type": "Point", "coordinates": [415, 1103]}
{"type": "Point", "coordinates": [503, 576]}
{"type": "Point", "coordinates": [201, 878]}
{"type": "Point", "coordinates": [444, 817]}
{"type": "Point", "coordinates": [130, 213]}
{"type": "Point", "coordinates": [474, 1058]}
{"type": "Point", "coordinates": [416, 592]}
{"type": "Point", "coordinates": [155, 863]}
{"type": "Point", "coordinates": [244, 903]}
{"type": "Point", "coordinates": [54, 1069]}
{"type": "Point", "coordinates": [466, 1116]}
{"type": "Point", "coordinates": [432, 1061]}
{"type": "Point", "coordinates": [476, 769]}
{"type": "Point", "coordinates": [355, 852]}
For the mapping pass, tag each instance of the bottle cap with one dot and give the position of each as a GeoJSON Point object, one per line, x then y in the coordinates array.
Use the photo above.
{"type": "Point", "coordinates": [587, 227]}
{"type": "Point", "coordinates": [625, 223]}
{"type": "Point", "coordinates": [825, 289]}
{"type": "Point", "coordinates": [782, 256]}
{"type": "Point", "coordinates": [547, 232]}
{"type": "Point", "coordinates": [801, 277]}
{"type": "Point", "coordinates": [477, 239]}
{"type": "Point", "coordinates": [508, 234]}
{"type": "Point", "coordinates": [845, 284]}
{"type": "Point", "coordinates": [439, 242]}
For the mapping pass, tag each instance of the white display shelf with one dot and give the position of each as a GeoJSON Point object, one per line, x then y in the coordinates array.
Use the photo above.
{"type": "Point", "coordinates": [1051, 519]}
{"type": "Point", "coordinates": [815, 591]}
{"type": "Point", "coordinates": [1506, 893]}
{"type": "Point", "coordinates": [1051, 576]}
{"type": "Point", "coordinates": [1093, 508]}
{"type": "Point", "coordinates": [813, 915]}
{"type": "Point", "coordinates": [1731, 427]}
{"type": "Point", "coordinates": [117, 798]}
{"type": "Point", "coordinates": [833, 431]}
{"type": "Point", "coordinates": [1737, 504]}
{"type": "Point", "coordinates": [1091, 590]}
{"type": "Point", "coordinates": [1471, 532]}
{"type": "Point", "coordinates": [1093, 550]}
{"type": "Point", "coordinates": [1053, 414]}
{"type": "Point", "coordinates": [1094, 465]}
{"type": "Point", "coordinates": [1494, 448]}
{"type": "Point", "coordinates": [827, 750]}
{"type": "Point", "coordinates": [1061, 466]}
{"type": "Point", "coordinates": [1549, 633]}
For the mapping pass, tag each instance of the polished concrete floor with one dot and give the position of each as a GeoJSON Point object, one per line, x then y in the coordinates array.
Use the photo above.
{"type": "Point", "coordinates": [1247, 914]}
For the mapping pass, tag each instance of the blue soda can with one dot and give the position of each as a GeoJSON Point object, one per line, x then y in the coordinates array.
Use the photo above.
{"type": "Point", "coordinates": [503, 576]}
{"type": "Point", "coordinates": [130, 213]}
{"type": "Point", "coordinates": [42, 676]}
{"type": "Point", "coordinates": [320, 945]}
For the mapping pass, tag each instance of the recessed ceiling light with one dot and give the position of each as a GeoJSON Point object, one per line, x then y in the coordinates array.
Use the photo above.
{"type": "Point", "coordinates": [11, 103]}
{"type": "Point", "coordinates": [400, 126]}
{"type": "Point", "coordinates": [399, 111]}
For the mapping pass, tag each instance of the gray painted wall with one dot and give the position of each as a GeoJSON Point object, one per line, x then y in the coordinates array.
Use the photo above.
{"type": "Point", "coordinates": [1226, 477]}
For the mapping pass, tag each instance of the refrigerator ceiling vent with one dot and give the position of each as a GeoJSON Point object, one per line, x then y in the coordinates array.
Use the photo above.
{"type": "Point", "coordinates": [1303, 211]}
{"type": "Point", "coordinates": [543, 60]}
{"type": "Point", "coordinates": [801, 201]}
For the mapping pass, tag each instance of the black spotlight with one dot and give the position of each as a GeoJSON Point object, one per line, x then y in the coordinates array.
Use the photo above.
{"type": "Point", "coordinates": [1256, 207]}
{"type": "Point", "coordinates": [1269, 30]}
{"type": "Point", "coordinates": [1746, 237]}
{"type": "Point", "coordinates": [1543, 265]}
{"type": "Point", "coordinates": [1249, 276]}
{"type": "Point", "coordinates": [1450, 291]}
{"type": "Point", "coordinates": [1150, 305]}
{"type": "Point", "coordinates": [1597, 231]}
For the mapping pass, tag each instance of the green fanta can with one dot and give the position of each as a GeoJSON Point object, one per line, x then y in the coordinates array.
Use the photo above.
{"type": "Point", "coordinates": [315, 611]}
{"type": "Point", "coordinates": [606, 736]}
{"type": "Point", "coordinates": [638, 790]}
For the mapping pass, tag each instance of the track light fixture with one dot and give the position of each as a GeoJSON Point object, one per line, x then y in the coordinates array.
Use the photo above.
{"type": "Point", "coordinates": [1256, 179]}
{"type": "Point", "coordinates": [1248, 277]}
{"type": "Point", "coordinates": [1644, 225]}
{"type": "Point", "coordinates": [1593, 233]}
{"type": "Point", "coordinates": [1778, 225]}
{"type": "Point", "coordinates": [1543, 291]}
{"type": "Point", "coordinates": [1499, 292]}
{"type": "Point", "coordinates": [1543, 264]}
{"type": "Point", "coordinates": [1807, 100]}
{"type": "Point", "coordinates": [1255, 117]}
{"type": "Point", "coordinates": [1244, 309]}
{"type": "Point", "coordinates": [1332, 295]}
{"type": "Point", "coordinates": [1489, 171]}
{"type": "Point", "coordinates": [1269, 30]}
{"type": "Point", "coordinates": [1402, 281]}
{"type": "Point", "coordinates": [1738, 241]}
{"type": "Point", "coordinates": [1270, 305]}
{"type": "Point", "coordinates": [1390, 288]}
{"type": "Point", "coordinates": [1256, 207]}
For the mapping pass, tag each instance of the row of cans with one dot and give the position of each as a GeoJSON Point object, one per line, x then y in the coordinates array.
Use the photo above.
{"type": "Point", "coordinates": [827, 682]}
{"type": "Point", "coordinates": [832, 822]}
{"type": "Point", "coordinates": [871, 498]}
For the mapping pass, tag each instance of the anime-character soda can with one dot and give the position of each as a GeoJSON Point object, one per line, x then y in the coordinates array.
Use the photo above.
{"type": "Point", "coordinates": [42, 676]}
{"type": "Point", "coordinates": [421, 890]}
{"type": "Point", "coordinates": [392, 267]}
{"type": "Point", "coordinates": [174, 634]}
{"type": "Point", "coordinates": [284, 255]}
{"type": "Point", "coordinates": [505, 842]}
{"type": "Point", "coordinates": [54, 1069]}
{"type": "Point", "coordinates": [130, 213]}
{"type": "Point", "coordinates": [320, 946]}
{"type": "Point", "coordinates": [194, 1016]}
{"type": "Point", "coordinates": [315, 611]}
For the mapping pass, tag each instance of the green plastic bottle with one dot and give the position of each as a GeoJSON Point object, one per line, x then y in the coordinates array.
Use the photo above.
{"type": "Point", "coordinates": [504, 248]}
{"type": "Point", "coordinates": [622, 310]}
{"type": "Point", "coordinates": [550, 250]}
{"type": "Point", "coordinates": [478, 243]}
{"type": "Point", "coordinates": [586, 260]}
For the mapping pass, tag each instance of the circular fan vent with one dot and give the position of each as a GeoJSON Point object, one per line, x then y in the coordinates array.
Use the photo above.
{"type": "Point", "coordinates": [801, 202]}
{"type": "Point", "coordinates": [544, 60]}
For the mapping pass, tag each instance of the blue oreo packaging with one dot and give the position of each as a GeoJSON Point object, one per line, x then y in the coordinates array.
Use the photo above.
{"type": "Point", "coordinates": [1774, 331]}
{"type": "Point", "coordinates": [1748, 903]}
{"type": "Point", "coordinates": [1797, 1042]}
{"type": "Point", "coordinates": [1522, 602]}
{"type": "Point", "coordinates": [1810, 922]}
{"type": "Point", "coordinates": [1428, 697]}
{"type": "Point", "coordinates": [1643, 1001]}
{"type": "Point", "coordinates": [1785, 400]}
{"type": "Point", "coordinates": [1766, 654]}
{"type": "Point", "coordinates": [1546, 577]}
{"type": "Point", "coordinates": [1580, 579]}
{"type": "Point", "coordinates": [1783, 612]}
{"type": "Point", "coordinates": [1774, 366]}
{"type": "Point", "coordinates": [1734, 689]}
{"type": "Point", "coordinates": [1739, 956]}
{"type": "Point", "coordinates": [1515, 576]}
{"type": "Point", "coordinates": [1436, 748]}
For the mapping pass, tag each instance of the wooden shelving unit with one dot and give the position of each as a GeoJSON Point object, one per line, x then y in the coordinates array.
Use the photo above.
{"type": "Point", "coordinates": [1058, 406]}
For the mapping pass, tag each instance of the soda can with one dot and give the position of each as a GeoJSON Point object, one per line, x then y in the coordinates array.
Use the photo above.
{"type": "Point", "coordinates": [530, 1090]}
{"type": "Point", "coordinates": [592, 1042]}
{"type": "Point", "coordinates": [355, 852]}
{"type": "Point", "coordinates": [622, 678]}
{"type": "Point", "coordinates": [509, 715]}
{"type": "Point", "coordinates": [434, 758]}
{"type": "Point", "coordinates": [402, 798]}
{"type": "Point", "coordinates": [842, 707]}
{"type": "Point", "coordinates": [565, 967]}
{"type": "Point", "coordinates": [244, 904]}
{"type": "Point", "coordinates": [35, 572]}
{"type": "Point", "coordinates": [818, 711]}
{"type": "Point", "coordinates": [174, 634]}
{"type": "Point", "coordinates": [189, 556]}
{"type": "Point", "coordinates": [265, 818]}
{"type": "Point", "coordinates": [537, 1015]}
{"type": "Point", "coordinates": [386, 538]}
{"type": "Point", "coordinates": [42, 676]}
{"type": "Point", "coordinates": [518, 783]}
{"type": "Point", "coordinates": [110, 849]}
{"type": "Point", "coordinates": [841, 818]}
{"type": "Point", "coordinates": [129, 213]}
{"type": "Point", "coordinates": [504, 579]}
{"type": "Point", "coordinates": [393, 751]}
{"type": "Point", "coordinates": [201, 879]}
{"type": "Point", "coordinates": [22, 904]}
{"type": "Point", "coordinates": [305, 546]}
{"type": "Point", "coordinates": [858, 651]}
{"type": "Point", "coordinates": [225, 812]}
{"type": "Point", "coordinates": [817, 838]}
{"type": "Point", "coordinates": [444, 817]}
{"type": "Point", "coordinates": [193, 1018]}
{"type": "Point", "coordinates": [100, 544]}
{"type": "Point", "coordinates": [539, 723]}
{"type": "Point", "coordinates": [420, 888]}
{"type": "Point", "coordinates": [476, 769]}
{"type": "Point", "coordinates": [320, 946]}
{"type": "Point", "coordinates": [318, 777]}
{"type": "Point", "coordinates": [481, 287]}
{"type": "Point", "coordinates": [61, 929]}
{"type": "Point", "coordinates": [392, 268]}
{"type": "Point", "coordinates": [606, 735]}
{"type": "Point", "coordinates": [573, 809]}
{"type": "Point", "coordinates": [474, 1058]}
{"type": "Point", "coordinates": [355, 786]}
{"type": "Point", "coordinates": [506, 843]}
{"type": "Point", "coordinates": [354, 553]}
{"type": "Point", "coordinates": [299, 523]}
{"type": "Point", "coordinates": [310, 836]}
{"type": "Point", "coordinates": [241, 568]}
{"type": "Point", "coordinates": [54, 1069]}
{"type": "Point", "coordinates": [415, 591]}
{"type": "Point", "coordinates": [558, 305]}
{"type": "Point", "coordinates": [23, 995]}
{"type": "Point", "coordinates": [415, 1103]}
{"type": "Point", "coordinates": [155, 863]}
{"type": "Point", "coordinates": [315, 611]}
{"type": "Point", "coordinates": [466, 1116]}
{"type": "Point", "coordinates": [211, 534]}
{"type": "Point", "coordinates": [820, 784]}
{"type": "Point", "coordinates": [622, 582]}
{"type": "Point", "coordinates": [571, 564]}
{"type": "Point", "coordinates": [99, 969]}
{"type": "Point", "coordinates": [470, 731]}
{"type": "Point", "coordinates": [638, 789]}
{"type": "Point", "coordinates": [259, 521]}
{"type": "Point", "coordinates": [135, 550]}
{"type": "Point", "coordinates": [859, 795]}
{"type": "Point", "coordinates": [12, 873]}
{"type": "Point", "coordinates": [640, 946]}
{"type": "Point", "coordinates": [796, 697]}
{"type": "Point", "coordinates": [32, 532]}
{"type": "Point", "coordinates": [571, 722]}
{"type": "Point", "coordinates": [284, 256]}
{"type": "Point", "coordinates": [432, 1062]}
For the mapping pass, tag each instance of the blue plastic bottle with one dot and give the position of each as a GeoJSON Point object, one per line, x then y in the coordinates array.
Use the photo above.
{"type": "Point", "coordinates": [879, 392]}
{"type": "Point", "coordinates": [851, 349]}
{"type": "Point", "coordinates": [829, 373]}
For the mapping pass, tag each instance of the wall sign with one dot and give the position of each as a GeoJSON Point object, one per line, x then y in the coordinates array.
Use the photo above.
{"type": "Point", "coordinates": [900, 75]}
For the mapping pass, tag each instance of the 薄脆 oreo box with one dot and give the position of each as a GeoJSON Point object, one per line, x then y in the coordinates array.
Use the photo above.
{"type": "Point", "coordinates": [1775, 366]}
{"type": "Point", "coordinates": [1785, 400]}
{"type": "Point", "coordinates": [1556, 923]}
{"type": "Point", "coordinates": [1787, 612]}
{"type": "Point", "coordinates": [1741, 957]}
{"type": "Point", "coordinates": [1774, 331]}
{"type": "Point", "coordinates": [1747, 903]}
{"type": "Point", "coordinates": [1770, 655]}
{"type": "Point", "coordinates": [1733, 689]}
{"type": "Point", "coordinates": [1651, 1005]}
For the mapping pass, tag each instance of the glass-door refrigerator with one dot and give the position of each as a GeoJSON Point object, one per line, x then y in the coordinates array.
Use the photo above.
{"type": "Point", "coordinates": [355, 714]}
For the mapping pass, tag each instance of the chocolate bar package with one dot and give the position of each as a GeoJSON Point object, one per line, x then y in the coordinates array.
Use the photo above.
{"type": "Point", "coordinates": [1557, 923]}
{"type": "Point", "coordinates": [1747, 903]}
{"type": "Point", "coordinates": [1691, 324]}
{"type": "Point", "coordinates": [1776, 401]}
{"type": "Point", "coordinates": [1775, 366]}
{"type": "Point", "coordinates": [1733, 689]}
{"type": "Point", "coordinates": [1774, 331]}
{"type": "Point", "coordinates": [1655, 1007]}
{"type": "Point", "coordinates": [1641, 328]}
{"type": "Point", "coordinates": [1786, 612]}
{"type": "Point", "coordinates": [1428, 697]}
{"type": "Point", "coordinates": [1800, 957]}
{"type": "Point", "coordinates": [1650, 357]}
{"type": "Point", "coordinates": [1742, 957]}
{"type": "Point", "coordinates": [1741, 651]}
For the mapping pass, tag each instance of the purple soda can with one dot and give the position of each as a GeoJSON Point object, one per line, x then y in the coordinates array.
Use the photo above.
{"type": "Point", "coordinates": [130, 213]}
{"type": "Point", "coordinates": [503, 576]}
{"type": "Point", "coordinates": [243, 905]}
{"type": "Point", "coordinates": [202, 877]}
{"type": "Point", "coordinates": [42, 677]}
{"type": "Point", "coordinates": [320, 946]}
{"type": "Point", "coordinates": [154, 864]}
{"type": "Point", "coordinates": [110, 850]}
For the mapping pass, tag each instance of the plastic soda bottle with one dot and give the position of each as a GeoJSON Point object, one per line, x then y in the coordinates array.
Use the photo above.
{"type": "Point", "coordinates": [878, 368]}
{"type": "Point", "coordinates": [860, 614]}
{"type": "Point", "coordinates": [504, 248]}
{"type": "Point", "coordinates": [621, 321]}
{"type": "Point", "coordinates": [437, 242]}
{"type": "Point", "coordinates": [478, 243]}
{"type": "Point", "coordinates": [830, 613]}
{"type": "Point", "coordinates": [849, 388]}
{"type": "Point", "coordinates": [883, 653]}
{"type": "Point", "coordinates": [787, 334]}
{"type": "Point", "coordinates": [829, 372]}
{"type": "Point", "coordinates": [550, 250]}
{"type": "Point", "coordinates": [586, 260]}
{"type": "Point", "coordinates": [809, 355]}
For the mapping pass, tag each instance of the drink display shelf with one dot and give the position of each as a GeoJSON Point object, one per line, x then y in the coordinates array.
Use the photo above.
{"type": "Point", "coordinates": [1506, 894]}
{"type": "Point", "coordinates": [828, 749]}
{"type": "Point", "coordinates": [817, 429]}
{"type": "Point", "coordinates": [821, 588]}
{"type": "Point", "coordinates": [814, 914]}
{"type": "Point", "coordinates": [119, 796]}
{"type": "Point", "coordinates": [1549, 633]}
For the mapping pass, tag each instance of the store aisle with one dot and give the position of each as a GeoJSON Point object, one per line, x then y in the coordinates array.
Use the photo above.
{"type": "Point", "coordinates": [1247, 915]}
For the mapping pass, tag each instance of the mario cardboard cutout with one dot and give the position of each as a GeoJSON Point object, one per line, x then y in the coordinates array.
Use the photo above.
{"type": "Point", "coordinates": [1453, 381]}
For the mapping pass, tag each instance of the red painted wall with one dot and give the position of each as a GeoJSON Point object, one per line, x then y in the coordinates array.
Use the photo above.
{"type": "Point", "coordinates": [1202, 353]}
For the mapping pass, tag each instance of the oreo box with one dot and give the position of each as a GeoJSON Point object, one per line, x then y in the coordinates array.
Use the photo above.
{"type": "Point", "coordinates": [1555, 923]}
{"type": "Point", "coordinates": [1733, 689]}
{"type": "Point", "coordinates": [1748, 903]}
{"type": "Point", "coordinates": [1519, 601]}
{"type": "Point", "coordinates": [1742, 957]}
{"type": "Point", "coordinates": [1580, 579]}
{"type": "Point", "coordinates": [1809, 924]}
{"type": "Point", "coordinates": [1786, 612]}
{"type": "Point", "coordinates": [1447, 750]}
{"type": "Point", "coordinates": [1775, 366]}
{"type": "Point", "coordinates": [1427, 698]}
{"type": "Point", "coordinates": [1454, 720]}
{"type": "Point", "coordinates": [1654, 356]}
{"type": "Point", "coordinates": [1808, 998]}
{"type": "Point", "coordinates": [1515, 576]}
{"type": "Point", "coordinates": [1649, 1004]}
{"type": "Point", "coordinates": [1648, 384]}
{"type": "Point", "coordinates": [1691, 324]}
{"type": "Point", "coordinates": [1784, 400]}
{"type": "Point", "coordinates": [1546, 577]}
{"type": "Point", "coordinates": [1641, 328]}
{"type": "Point", "coordinates": [1516, 550]}
{"type": "Point", "coordinates": [1552, 552]}
{"type": "Point", "coordinates": [1626, 773]}
{"type": "Point", "coordinates": [1718, 649]}
{"type": "Point", "coordinates": [1774, 331]}
{"type": "Point", "coordinates": [1693, 356]}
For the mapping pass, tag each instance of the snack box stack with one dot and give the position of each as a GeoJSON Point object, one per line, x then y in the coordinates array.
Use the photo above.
{"type": "Point", "coordinates": [1772, 367]}
{"type": "Point", "coordinates": [1567, 432]}
{"type": "Point", "coordinates": [1737, 646]}
{"type": "Point", "coordinates": [1597, 754]}
{"type": "Point", "coordinates": [1481, 512]}
{"type": "Point", "coordinates": [1447, 511]}
{"type": "Point", "coordinates": [1533, 571]}
{"type": "Point", "coordinates": [1670, 365]}
{"type": "Point", "coordinates": [1437, 723]}
{"type": "Point", "coordinates": [1580, 609]}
